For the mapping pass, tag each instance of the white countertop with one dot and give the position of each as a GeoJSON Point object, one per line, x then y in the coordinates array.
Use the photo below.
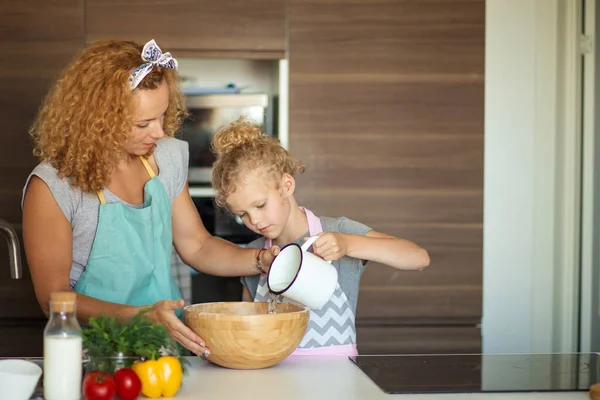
{"type": "Point", "coordinates": [313, 378]}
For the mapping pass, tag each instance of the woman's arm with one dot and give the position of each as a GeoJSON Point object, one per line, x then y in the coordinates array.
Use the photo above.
{"type": "Point", "coordinates": [374, 246]}
{"type": "Point", "coordinates": [207, 253]}
{"type": "Point", "coordinates": [48, 242]}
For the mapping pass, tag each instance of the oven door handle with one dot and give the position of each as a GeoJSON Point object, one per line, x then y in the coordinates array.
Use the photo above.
{"type": "Point", "coordinates": [202, 192]}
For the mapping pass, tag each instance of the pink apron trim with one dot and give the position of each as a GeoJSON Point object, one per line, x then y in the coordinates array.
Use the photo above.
{"type": "Point", "coordinates": [314, 228]}
{"type": "Point", "coordinates": [341, 350]}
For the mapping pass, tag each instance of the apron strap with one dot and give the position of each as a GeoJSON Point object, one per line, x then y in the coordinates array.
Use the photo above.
{"type": "Point", "coordinates": [149, 169]}
{"type": "Point", "coordinates": [314, 226]}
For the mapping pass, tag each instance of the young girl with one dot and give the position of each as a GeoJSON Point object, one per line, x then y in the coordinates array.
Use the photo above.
{"type": "Point", "coordinates": [253, 176]}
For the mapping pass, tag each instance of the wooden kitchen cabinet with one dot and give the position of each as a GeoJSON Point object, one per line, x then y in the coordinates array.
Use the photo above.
{"type": "Point", "coordinates": [39, 38]}
{"type": "Point", "coordinates": [201, 28]}
{"type": "Point", "coordinates": [440, 338]}
{"type": "Point", "coordinates": [386, 110]}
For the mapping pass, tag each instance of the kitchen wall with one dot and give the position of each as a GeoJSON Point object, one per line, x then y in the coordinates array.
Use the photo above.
{"type": "Point", "coordinates": [39, 38]}
{"type": "Point", "coordinates": [590, 204]}
{"type": "Point", "coordinates": [386, 109]}
{"type": "Point", "coordinates": [531, 183]}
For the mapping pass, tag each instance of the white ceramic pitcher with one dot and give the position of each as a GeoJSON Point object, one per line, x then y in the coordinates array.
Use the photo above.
{"type": "Point", "coordinates": [302, 276]}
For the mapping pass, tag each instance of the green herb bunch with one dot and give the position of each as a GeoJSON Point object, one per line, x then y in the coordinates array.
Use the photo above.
{"type": "Point", "coordinates": [140, 337]}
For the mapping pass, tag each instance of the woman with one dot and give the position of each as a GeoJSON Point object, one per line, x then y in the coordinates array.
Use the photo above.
{"type": "Point", "coordinates": [109, 198]}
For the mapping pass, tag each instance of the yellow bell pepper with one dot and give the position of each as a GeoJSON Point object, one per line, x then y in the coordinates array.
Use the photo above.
{"type": "Point", "coordinates": [160, 377]}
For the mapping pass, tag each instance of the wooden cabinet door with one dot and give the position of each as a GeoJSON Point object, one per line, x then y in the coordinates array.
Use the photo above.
{"type": "Point", "coordinates": [386, 110]}
{"type": "Point", "coordinates": [39, 38]}
{"type": "Point", "coordinates": [251, 29]}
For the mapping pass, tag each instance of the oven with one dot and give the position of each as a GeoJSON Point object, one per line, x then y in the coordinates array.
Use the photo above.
{"type": "Point", "coordinates": [209, 112]}
{"type": "Point", "coordinates": [220, 222]}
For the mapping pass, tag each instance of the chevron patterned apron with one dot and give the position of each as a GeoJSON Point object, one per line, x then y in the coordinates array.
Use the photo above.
{"type": "Point", "coordinates": [331, 329]}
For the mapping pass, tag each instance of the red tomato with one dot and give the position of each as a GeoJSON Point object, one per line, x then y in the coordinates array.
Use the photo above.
{"type": "Point", "coordinates": [98, 386]}
{"type": "Point", "coordinates": [128, 384]}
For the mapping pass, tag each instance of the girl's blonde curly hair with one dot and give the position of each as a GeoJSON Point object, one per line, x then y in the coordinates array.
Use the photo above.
{"type": "Point", "coordinates": [242, 147]}
{"type": "Point", "coordinates": [89, 113]}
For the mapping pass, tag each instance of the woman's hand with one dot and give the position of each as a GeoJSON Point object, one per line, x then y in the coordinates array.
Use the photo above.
{"type": "Point", "coordinates": [330, 246]}
{"type": "Point", "coordinates": [164, 313]}
{"type": "Point", "coordinates": [267, 256]}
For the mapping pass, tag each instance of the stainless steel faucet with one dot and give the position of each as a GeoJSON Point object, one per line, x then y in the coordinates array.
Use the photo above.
{"type": "Point", "coordinates": [14, 249]}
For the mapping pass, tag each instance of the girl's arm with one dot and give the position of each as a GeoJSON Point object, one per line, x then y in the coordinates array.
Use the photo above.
{"type": "Point", "coordinates": [374, 246]}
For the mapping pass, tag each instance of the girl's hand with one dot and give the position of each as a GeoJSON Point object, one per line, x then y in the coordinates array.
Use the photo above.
{"type": "Point", "coordinates": [331, 246]}
{"type": "Point", "coordinates": [164, 313]}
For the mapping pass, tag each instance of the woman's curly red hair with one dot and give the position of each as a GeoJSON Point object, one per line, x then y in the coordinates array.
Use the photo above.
{"type": "Point", "coordinates": [89, 113]}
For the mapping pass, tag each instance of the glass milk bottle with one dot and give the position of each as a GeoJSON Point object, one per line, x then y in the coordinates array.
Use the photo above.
{"type": "Point", "coordinates": [62, 349]}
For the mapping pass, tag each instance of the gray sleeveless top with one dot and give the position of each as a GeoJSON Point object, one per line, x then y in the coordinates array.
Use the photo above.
{"type": "Point", "coordinates": [81, 209]}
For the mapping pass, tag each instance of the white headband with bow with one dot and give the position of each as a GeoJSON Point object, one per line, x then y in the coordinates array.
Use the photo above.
{"type": "Point", "coordinates": [154, 57]}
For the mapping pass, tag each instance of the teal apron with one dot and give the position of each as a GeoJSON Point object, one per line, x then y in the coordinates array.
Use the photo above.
{"type": "Point", "coordinates": [130, 261]}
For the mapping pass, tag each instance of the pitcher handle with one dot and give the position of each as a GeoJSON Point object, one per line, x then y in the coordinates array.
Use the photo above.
{"type": "Point", "coordinates": [309, 243]}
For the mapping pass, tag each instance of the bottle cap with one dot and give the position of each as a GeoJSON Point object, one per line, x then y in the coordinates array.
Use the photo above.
{"type": "Point", "coordinates": [63, 301]}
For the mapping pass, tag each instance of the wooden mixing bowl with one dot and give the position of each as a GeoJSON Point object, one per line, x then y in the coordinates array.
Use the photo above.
{"type": "Point", "coordinates": [242, 335]}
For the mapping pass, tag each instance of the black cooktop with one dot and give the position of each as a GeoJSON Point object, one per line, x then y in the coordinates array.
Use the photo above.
{"type": "Point", "coordinates": [477, 373]}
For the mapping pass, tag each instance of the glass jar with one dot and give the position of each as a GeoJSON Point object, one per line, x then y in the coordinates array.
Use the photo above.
{"type": "Point", "coordinates": [63, 355]}
{"type": "Point", "coordinates": [110, 364]}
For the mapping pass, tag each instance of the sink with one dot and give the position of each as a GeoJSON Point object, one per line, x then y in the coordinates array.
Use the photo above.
{"type": "Point", "coordinates": [14, 249]}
